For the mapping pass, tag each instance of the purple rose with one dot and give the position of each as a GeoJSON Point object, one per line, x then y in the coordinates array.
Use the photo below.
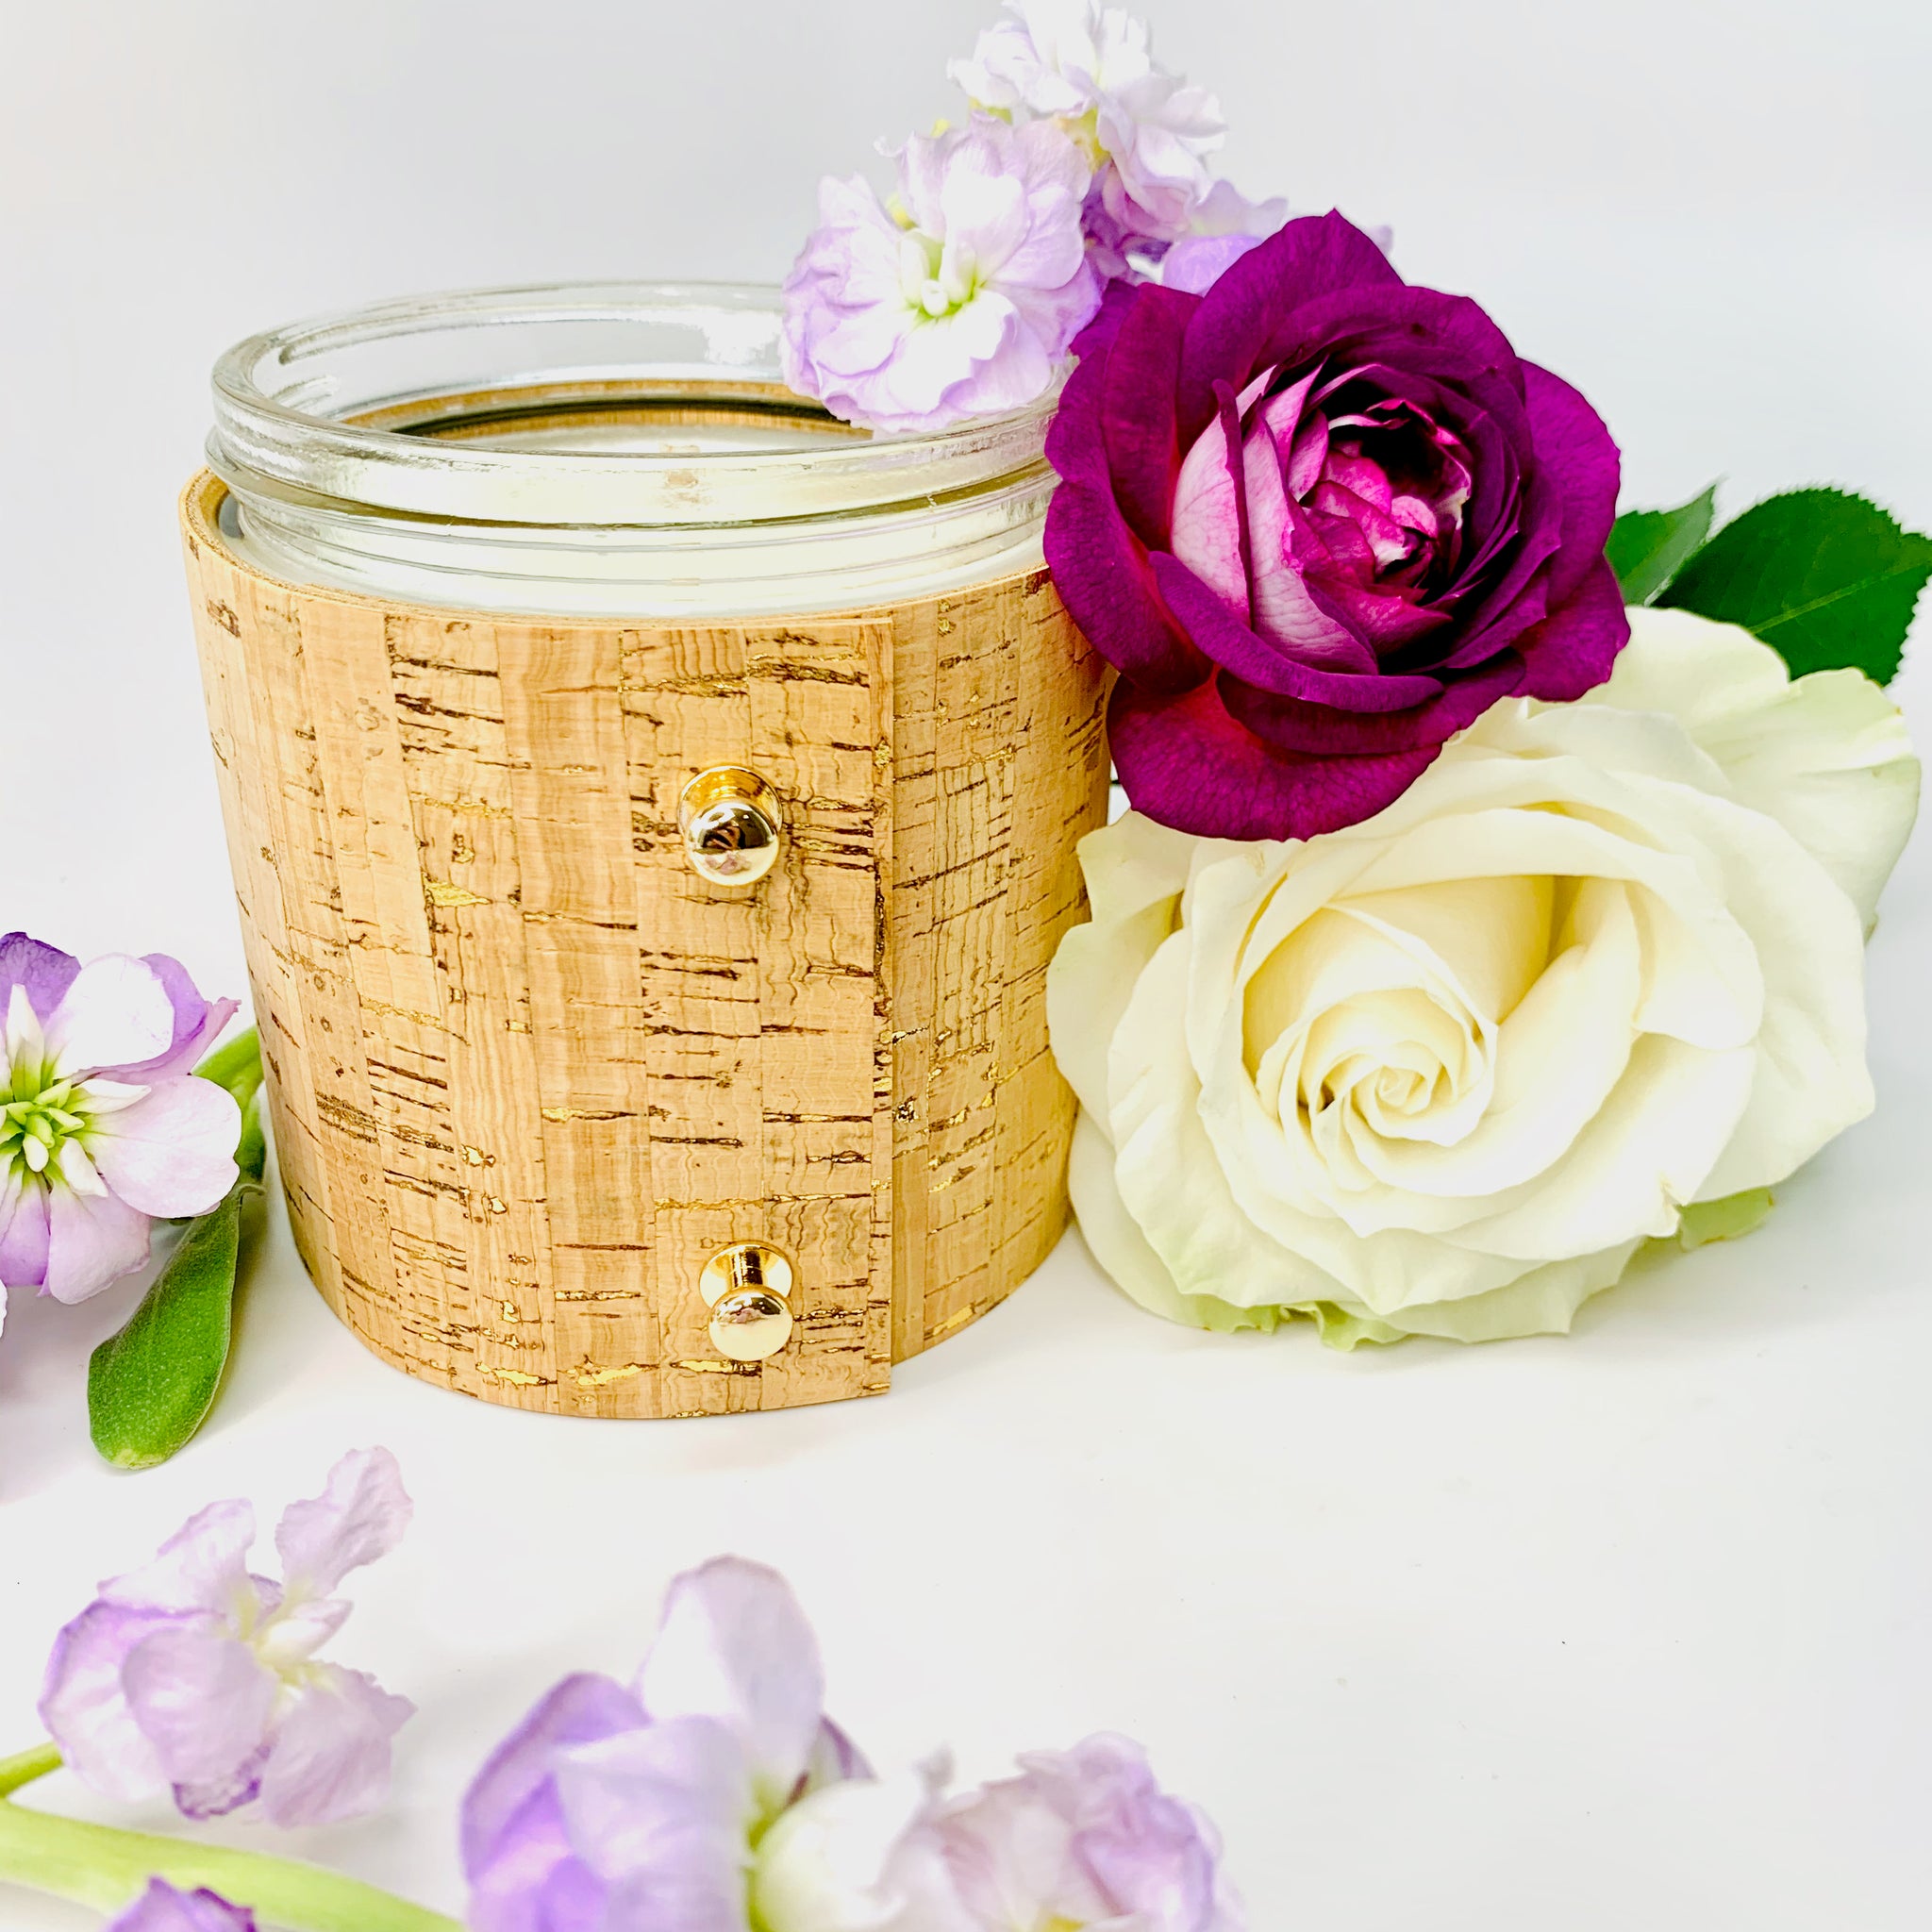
{"type": "Point", "coordinates": [1321, 521]}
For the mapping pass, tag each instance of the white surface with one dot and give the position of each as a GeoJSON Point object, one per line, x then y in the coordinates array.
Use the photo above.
{"type": "Point", "coordinates": [1623, 1630]}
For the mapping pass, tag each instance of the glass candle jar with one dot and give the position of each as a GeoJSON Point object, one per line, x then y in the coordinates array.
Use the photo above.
{"type": "Point", "coordinates": [615, 450]}
{"type": "Point", "coordinates": [652, 805]}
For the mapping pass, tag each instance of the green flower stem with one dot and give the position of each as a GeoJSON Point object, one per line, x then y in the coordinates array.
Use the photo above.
{"type": "Point", "coordinates": [102, 1866]}
{"type": "Point", "coordinates": [16, 1772]}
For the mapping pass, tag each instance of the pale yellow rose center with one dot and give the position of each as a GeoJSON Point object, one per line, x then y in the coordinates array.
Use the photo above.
{"type": "Point", "coordinates": [1379, 1018]}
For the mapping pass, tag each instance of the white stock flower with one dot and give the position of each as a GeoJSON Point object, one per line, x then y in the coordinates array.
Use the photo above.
{"type": "Point", "coordinates": [1446, 1071]}
{"type": "Point", "coordinates": [1089, 68]}
{"type": "Point", "coordinates": [961, 298]}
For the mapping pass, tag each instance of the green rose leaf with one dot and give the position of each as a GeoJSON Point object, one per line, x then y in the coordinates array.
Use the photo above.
{"type": "Point", "coordinates": [1825, 578]}
{"type": "Point", "coordinates": [1648, 547]}
{"type": "Point", "coordinates": [150, 1387]}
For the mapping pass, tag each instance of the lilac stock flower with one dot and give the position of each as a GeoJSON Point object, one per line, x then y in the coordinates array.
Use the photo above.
{"type": "Point", "coordinates": [960, 300]}
{"type": "Point", "coordinates": [162, 1909]}
{"type": "Point", "coordinates": [1081, 1838]}
{"type": "Point", "coordinates": [195, 1676]}
{"type": "Point", "coordinates": [1321, 521]}
{"type": "Point", "coordinates": [713, 1795]}
{"type": "Point", "coordinates": [1088, 70]}
{"type": "Point", "coordinates": [863, 1856]}
{"type": "Point", "coordinates": [102, 1124]}
{"type": "Point", "coordinates": [1086, 1838]}
{"type": "Point", "coordinates": [613, 1806]}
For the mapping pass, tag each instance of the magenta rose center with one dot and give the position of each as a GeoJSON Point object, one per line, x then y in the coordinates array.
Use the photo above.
{"type": "Point", "coordinates": [1333, 526]}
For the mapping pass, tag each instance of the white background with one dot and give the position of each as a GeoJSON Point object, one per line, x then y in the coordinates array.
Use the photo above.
{"type": "Point", "coordinates": [1623, 1630]}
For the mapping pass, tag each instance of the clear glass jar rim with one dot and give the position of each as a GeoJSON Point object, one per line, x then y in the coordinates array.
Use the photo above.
{"type": "Point", "coordinates": [282, 397]}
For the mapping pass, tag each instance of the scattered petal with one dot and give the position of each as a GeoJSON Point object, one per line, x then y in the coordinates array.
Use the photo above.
{"type": "Point", "coordinates": [162, 1909]}
{"type": "Point", "coordinates": [359, 1516]}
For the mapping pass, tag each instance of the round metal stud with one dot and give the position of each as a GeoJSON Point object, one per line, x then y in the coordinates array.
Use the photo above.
{"type": "Point", "coordinates": [750, 1325]}
{"type": "Point", "coordinates": [731, 822]}
{"type": "Point", "coordinates": [745, 1264]}
{"type": "Point", "coordinates": [746, 1287]}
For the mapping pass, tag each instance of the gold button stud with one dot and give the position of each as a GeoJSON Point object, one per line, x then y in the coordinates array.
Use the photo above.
{"type": "Point", "coordinates": [746, 1287]}
{"type": "Point", "coordinates": [750, 1325]}
{"type": "Point", "coordinates": [731, 822]}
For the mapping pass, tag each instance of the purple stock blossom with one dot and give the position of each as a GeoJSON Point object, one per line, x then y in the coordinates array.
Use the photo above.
{"type": "Point", "coordinates": [712, 1796]}
{"type": "Point", "coordinates": [1088, 70]}
{"type": "Point", "coordinates": [162, 1909]}
{"type": "Point", "coordinates": [103, 1126]}
{"type": "Point", "coordinates": [1086, 1838]}
{"type": "Point", "coordinates": [961, 299]}
{"type": "Point", "coordinates": [1321, 521]}
{"type": "Point", "coordinates": [194, 1677]}
{"type": "Point", "coordinates": [613, 1806]}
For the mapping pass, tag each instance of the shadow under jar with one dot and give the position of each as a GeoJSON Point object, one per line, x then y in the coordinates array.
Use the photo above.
{"type": "Point", "coordinates": [652, 806]}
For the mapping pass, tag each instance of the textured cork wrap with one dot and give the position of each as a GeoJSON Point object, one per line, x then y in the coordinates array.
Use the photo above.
{"type": "Point", "coordinates": [527, 1070]}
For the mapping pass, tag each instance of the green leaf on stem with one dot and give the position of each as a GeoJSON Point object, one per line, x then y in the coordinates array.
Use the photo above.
{"type": "Point", "coordinates": [1825, 577]}
{"type": "Point", "coordinates": [236, 1065]}
{"type": "Point", "coordinates": [1648, 547]}
{"type": "Point", "coordinates": [150, 1387]}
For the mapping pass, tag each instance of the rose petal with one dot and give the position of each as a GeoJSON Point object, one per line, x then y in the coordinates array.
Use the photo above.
{"type": "Point", "coordinates": [1228, 333]}
{"type": "Point", "coordinates": [1143, 446]}
{"type": "Point", "coordinates": [1235, 647]}
{"type": "Point", "coordinates": [1188, 763]}
{"type": "Point", "coordinates": [1136, 871]}
{"type": "Point", "coordinates": [1208, 519]}
{"type": "Point", "coordinates": [1104, 578]}
{"type": "Point", "coordinates": [1324, 731]}
{"type": "Point", "coordinates": [1827, 756]}
{"type": "Point", "coordinates": [1575, 450]}
{"type": "Point", "coordinates": [1573, 650]}
{"type": "Point", "coordinates": [1164, 1167]}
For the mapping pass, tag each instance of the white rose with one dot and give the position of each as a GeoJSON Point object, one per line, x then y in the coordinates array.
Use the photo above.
{"type": "Point", "coordinates": [1444, 1072]}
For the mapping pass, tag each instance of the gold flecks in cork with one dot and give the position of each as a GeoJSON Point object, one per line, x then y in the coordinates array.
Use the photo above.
{"type": "Point", "coordinates": [527, 1071]}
